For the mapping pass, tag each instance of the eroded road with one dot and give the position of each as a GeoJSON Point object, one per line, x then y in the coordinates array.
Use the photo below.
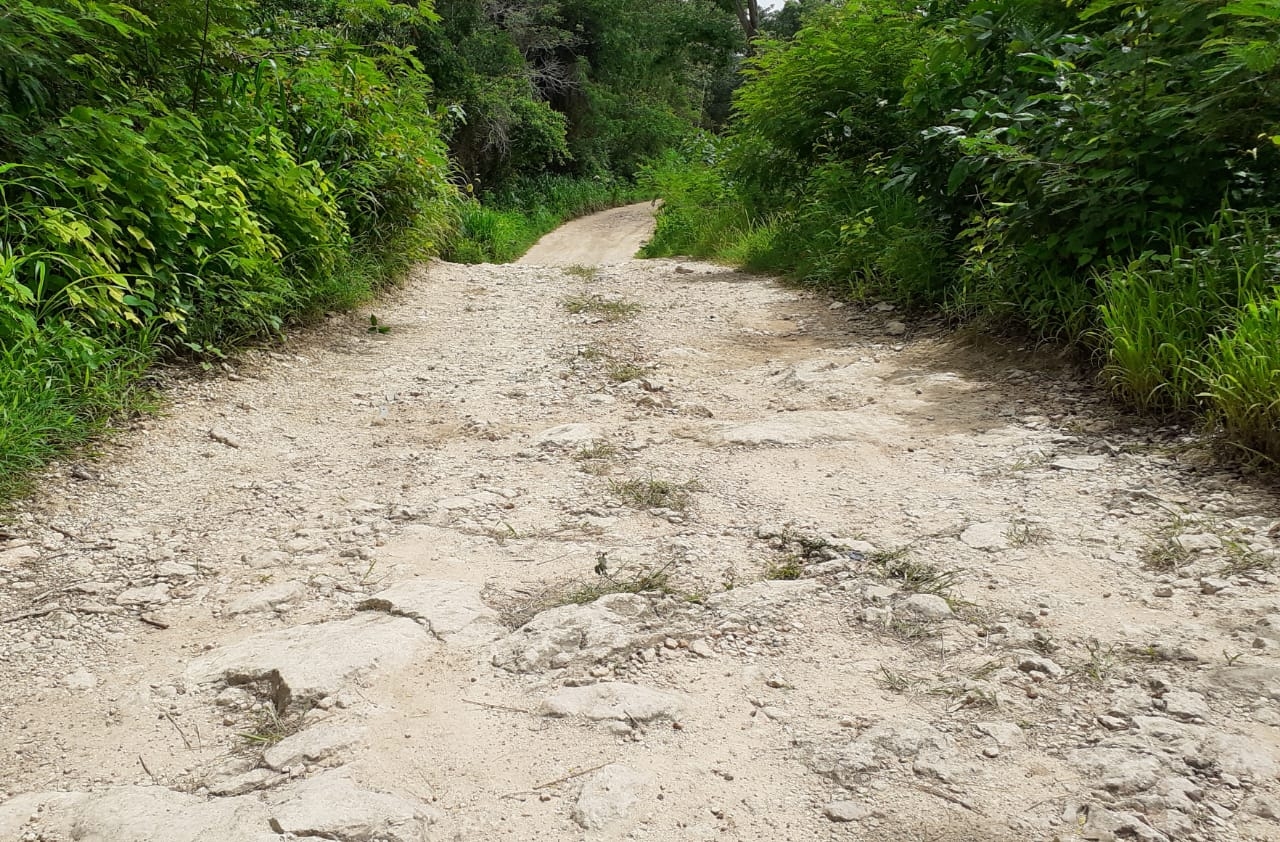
{"type": "Point", "coordinates": [646, 550]}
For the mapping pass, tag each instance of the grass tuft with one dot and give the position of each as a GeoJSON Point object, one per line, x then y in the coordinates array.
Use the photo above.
{"type": "Point", "coordinates": [655, 493]}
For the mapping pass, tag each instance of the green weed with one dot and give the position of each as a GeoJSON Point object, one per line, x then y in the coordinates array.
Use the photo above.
{"type": "Point", "coordinates": [655, 493]}
{"type": "Point", "coordinates": [607, 309]}
{"type": "Point", "coordinates": [913, 576]}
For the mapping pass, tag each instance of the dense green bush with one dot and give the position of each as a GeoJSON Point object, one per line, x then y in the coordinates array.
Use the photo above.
{"type": "Point", "coordinates": [1100, 174]}
{"type": "Point", "coordinates": [175, 184]}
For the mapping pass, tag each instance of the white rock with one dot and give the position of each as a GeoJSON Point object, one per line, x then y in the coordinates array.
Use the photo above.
{"type": "Point", "coordinates": [847, 811]}
{"type": "Point", "coordinates": [244, 782]}
{"type": "Point", "coordinates": [987, 536]}
{"type": "Point", "coordinates": [1078, 463]}
{"type": "Point", "coordinates": [879, 594]}
{"type": "Point", "coordinates": [1263, 806]}
{"type": "Point", "coordinates": [1242, 756]}
{"type": "Point", "coordinates": [14, 557]}
{"type": "Point", "coordinates": [927, 606]}
{"type": "Point", "coordinates": [611, 626]}
{"type": "Point", "coordinates": [700, 647]}
{"type": "Point", "coordinates": [1118, 770]}
{"type": "Point", "coordinates": [1036, 663]}
{"type": "Point", "coordinates": [453, 611]}
{"type": "Point", "coordinates": [331, 806]}
{"type": "Point", "coordinates": [609, 797]}
{"type": "Point", "coordinates": [794, 428]}
{"type": "Point", "coordinates": [306, 663]}
{"type": "Point", "coordinates": [157, 594]}
{"type": "Point", "coordinates": [270, 598]}
{"type": "Point", "coordinates": [149, 814]}
{"type": "Point", "coordinates": [566, 436]}
{"type": "Point", "coordinates": [316, 743]}
{"type": "Point", "coordinates": [1186, 705]}
{"type": "Point", "coordinates": [1006, 734]}
{"type": "Point", "coordinates": [614, 700]}
{"type": "Point", "coordinates": [81, 679]}
{"type": "Point", "coordinates": [1197, 541]}
{"type": "Point", "coordinates": [1210, 585]}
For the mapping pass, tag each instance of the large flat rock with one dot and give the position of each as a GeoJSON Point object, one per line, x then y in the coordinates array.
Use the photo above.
{"type": "Point", "coordinates": [307, 663]}
{"type": "Point", "coordinates": [453, 611]}
{"type": "Point", "coordinates": [614, 700]}
{"type": "Point", "coordinates": [797, 428]}
{"type": "Point", "coordinates": [332, 806]}
{"type": "Point", "coordinates": [143, 814]}
{"type": "Point", "coordinates": [611, 626]}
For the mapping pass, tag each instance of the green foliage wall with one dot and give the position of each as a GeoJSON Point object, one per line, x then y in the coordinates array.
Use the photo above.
{"type": "Point", "coordinates": [1101, 173]}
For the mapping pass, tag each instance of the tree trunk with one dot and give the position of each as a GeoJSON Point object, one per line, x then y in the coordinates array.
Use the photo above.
{"type": "Point", "coordinates": [749, 16]}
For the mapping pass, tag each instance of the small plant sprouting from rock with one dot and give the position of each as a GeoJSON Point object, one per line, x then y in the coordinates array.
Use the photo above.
{"type": "Point", "coordinates": [1026, 535]}
{"type": "Point", "coordinates": [1103, 661]}
{"type": "Point", "coordinates": [597, 457]}
{"type": "Point", "coordinates": [896, 682]}
{"type": "Point", "coordinates": [1165, 556]}
{"type": "Point", "coordinates": [913, 576]}
{"type": "Point", "coordinates": [625, 580]}
{"type": "Point", "coordinates": [624, 371]}
{"type": "Point", "coordinates": [797, 550]}
{"type": "Point", "coordinates": [272, 727]}
{"type": "Point", "coordinates": [607, 309]}
{"type": "Point", "coordinates": [1241, 560]}
{"type": "Point", "coordinates": [789, 567]}
{"type": "Point", "coordinates": [655, 493]}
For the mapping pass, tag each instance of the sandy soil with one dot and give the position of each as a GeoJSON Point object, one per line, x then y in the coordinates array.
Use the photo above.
{"type": "Point", "coordinates": [876, 581]}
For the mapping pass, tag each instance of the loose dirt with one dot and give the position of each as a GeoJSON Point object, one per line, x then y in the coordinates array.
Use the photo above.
{"type": "Point", "coordinates": [594, 548]}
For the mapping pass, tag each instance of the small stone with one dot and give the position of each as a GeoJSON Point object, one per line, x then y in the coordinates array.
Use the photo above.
{"type": "Point", "coordinates": [1186, 705]}
{"type": "Point", "coordinates": [273, 597]}
{"type": "Point", "coordinates": [1263, 806]}
{"type": "Point", "coordinates": [847, 811]}
{"type": "Point", "coordinates": [1197, 541]}
{"type": "Point", "coordinates": [991, 752]}
{"type": "Point", "coordinates": [1163, 591]}
{"type": "Point", "coordinates": [224, 436]}
{"type": "Point", "coordinates": [152, 595]}
{"type": "Point", "coordinates": [701, 648]}
{"type": "Point", "coordinates": [927, 606]}
{"type": "Point", "coordinates": [986, 536]}
{"type": "Point", "coordinates": [895, 328]}
{"type": "Point", "coordinates": [1209, 585]}
{"type": "Point", "coordinates": [1040, 664]}
{"type": "Point", "coordinates": [1078, 463]}
{"type": "Point", "coordinates": [608, 797]}
{"type": "Point", "coordinates": [81, 679]}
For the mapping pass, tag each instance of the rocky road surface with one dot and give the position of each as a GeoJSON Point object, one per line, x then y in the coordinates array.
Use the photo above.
{"type": "Point", "coordinates": [644, 550]}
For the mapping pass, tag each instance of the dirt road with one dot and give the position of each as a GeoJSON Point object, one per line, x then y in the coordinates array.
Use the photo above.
{"type": "Point", "coordinates": [613, 236]}
{"type": "Point", "coordinates": [648, 551]}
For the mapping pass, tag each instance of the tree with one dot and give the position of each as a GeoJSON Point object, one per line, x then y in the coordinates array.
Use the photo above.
{"type": "Point", "coordinates": [748, 12]}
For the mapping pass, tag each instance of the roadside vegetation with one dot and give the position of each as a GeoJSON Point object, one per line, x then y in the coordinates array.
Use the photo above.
{"type": "Point", "coordinates": [1102, 174]}
{"type": "Point", "coordinates": [178, 178]}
